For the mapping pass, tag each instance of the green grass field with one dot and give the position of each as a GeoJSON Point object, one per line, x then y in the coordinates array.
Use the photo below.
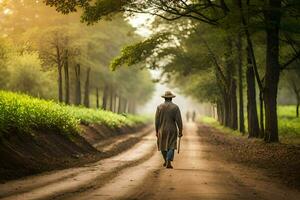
{"type": "Point", "coordinates": [288, 124]}
{"type": "Point", "coordinates": [22, 113]}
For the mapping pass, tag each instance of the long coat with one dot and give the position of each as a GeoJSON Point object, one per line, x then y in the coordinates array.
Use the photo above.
{"type": "Point", "coordinates": [168, 124]}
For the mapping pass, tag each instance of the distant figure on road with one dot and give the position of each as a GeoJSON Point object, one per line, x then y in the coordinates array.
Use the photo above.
{"type": "Point", "coordinates": [187, 115]}
{"type": "Point", "coordinates": [194, 116]}
{"type": "Point", "coordinates": [168, 126]}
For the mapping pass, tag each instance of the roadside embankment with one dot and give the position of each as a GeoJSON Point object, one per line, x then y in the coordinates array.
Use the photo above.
{"type": "Point", "coordinates": [38, 135]}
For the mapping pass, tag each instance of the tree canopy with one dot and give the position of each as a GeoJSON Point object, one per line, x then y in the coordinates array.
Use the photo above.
{"type": "Point", "coordinates": [241, 25]}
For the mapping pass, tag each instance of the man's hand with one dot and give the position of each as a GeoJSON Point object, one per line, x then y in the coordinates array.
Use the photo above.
{"type": "Point", "coordinates": [180, 135]}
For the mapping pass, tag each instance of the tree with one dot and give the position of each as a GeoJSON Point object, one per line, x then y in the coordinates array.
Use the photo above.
{"type": "Point", "coordinates": [50, 37]}
{"type": "Point", "coordinates": [78, 85]}
{"type": "Point", "coordinates": [240, 83]}
{"type": "Point", "coordinates": [97, 98]}
{"type": "Point", "coordinates": [105, 97]}
{"type": "Point", "coordinates": [52, 51]}
{"type": "Point", "coordinates": [26, 75]}
{"type": "Point", "coordinates": [5, 55]}
{"type": "Point", "coordinates": [253, 127]}
{"type": "Point", "coordinates": [86, 100]}
{"type": "Point", "coordinates": [67, 79]}
{"type": "Point", "coordinates": [291, 80]}
{"type": "Point", "coordinates": [269, 15]}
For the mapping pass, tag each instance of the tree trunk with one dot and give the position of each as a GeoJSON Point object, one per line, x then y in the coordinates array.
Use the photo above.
{"type": "Point", "coordinates": [60, 87]}
{"type": "Point", "coordinates": [59, 70]}
{"type": "Point", "coordinates": [231, 93]}
{"type": "Point", "coordinates": [298, 101]}
{"type": "Point", "coordinates": [251, 56]}
{"type": "Point", "coordinates": [220, 112]}
{"type": "Point", "coordinates": [111, 98]}
{"type": "Point", "coordinates": [115, 103]}
{"type": "Point", "coordinates": [297, 94]}
{"type": "Point", "coordinates": [297, 108]}
{"type": "Point", "coordinates": [120, 109]}
{"type": "Point", "coordinates": [129, 106]}
{"type": "Point", "coordinates": [272, 17]}
{"type": "Point", "coordinates": [86, 101]}
{"type": "Point", "coordinates": [125, 106]}
{"type": "Point", "coordinates": [261, 105]}
{"type": "Point", "coordinates": [241, 97]}
{"type": "Point", "coordinates": [226, 116]}
{"type": "Point", "coordinates": [253, 128]}
{"type": "Point", "coordinates": [233, 106]}
{"type": "Point", "coordinates": [221, 101]}
{"type": "Point", "coordinates": [78, 85]}
{"type": "Point", "coordinates": [105, 97]}
{"type": "Point", "coordinates": [97, 98]}
{"type": "Point", "coordinates": [133, 107]}
{"type": "Point", "coordinates": [213, 111]}
{"type": "Point", "coordinates": [67, 79]}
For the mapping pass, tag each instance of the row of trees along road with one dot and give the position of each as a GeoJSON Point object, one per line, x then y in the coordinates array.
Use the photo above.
{"type": "Point", "coordinates": [221, 41]}
{"type": "Point", "coordinates": [47, 54]}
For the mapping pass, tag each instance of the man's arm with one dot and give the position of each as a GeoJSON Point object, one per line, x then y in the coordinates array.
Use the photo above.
{"type": "Point", "coordinates": [157, 124]}
{"type": "Point", "coordinates": [179, 122]}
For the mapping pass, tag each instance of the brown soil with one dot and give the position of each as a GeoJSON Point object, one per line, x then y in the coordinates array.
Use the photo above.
{"type": "Point", "coordinates": [277, 160]}
{"type": "Point", "coordinates": [200, 172]}
{"type": "Point", "coordinates": [93, 133]}
{"type": "Point", "coordinates": [26, 154]}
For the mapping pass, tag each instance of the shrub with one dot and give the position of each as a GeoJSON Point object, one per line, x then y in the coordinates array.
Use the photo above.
{"type": "Point", "coordinates": [24, 113]}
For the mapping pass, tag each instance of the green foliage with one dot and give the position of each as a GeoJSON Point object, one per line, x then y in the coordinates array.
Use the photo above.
{"type": "Point", "coordinates": [22, 113]}
{"type": "Point", "coordinates": [30, 62]}
{"type": "Point", "coordinates": [188, 65]}
{"type": "Point", "coordinates": [202, 86]}
{"type": "Point", "coordinates": [134, 54]}
{"type": "Point", "coordinates": [289, 86]}
{"type": "Point", "coordinates": [93, 11]}
{"type": "Point", "coordinates": [214, 123]}
{"type": "Point", "coordinates": [138, 119]}
{"type": "Point", "coordinates": [66, 6]}
{"type": "Point", "coordinates": [208, 120]}
{"type": "Point", "coordinates": [110, 119]}
{"type": "Point", "coordinates": [28, 76]}
{"type": "Point", "coordinates": [288, 124]}
{"type": "Point", "coordinates": [4, 57]}
{"type": "Point", "coordinates": [142, 91]}
{"type": "Point", "coordinates": [233, 21]}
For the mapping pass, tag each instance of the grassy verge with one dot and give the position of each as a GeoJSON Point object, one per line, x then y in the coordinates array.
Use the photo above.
{"type": "Point", "coordinates": [288, 125]}
{"type": "Point", "coordinates": [22, 113]}
{"type": "Point", "coordinates": [214, 123]}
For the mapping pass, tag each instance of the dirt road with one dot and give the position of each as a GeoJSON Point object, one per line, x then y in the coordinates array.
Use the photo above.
{"type": "Point", "coordinates": [138, 174]}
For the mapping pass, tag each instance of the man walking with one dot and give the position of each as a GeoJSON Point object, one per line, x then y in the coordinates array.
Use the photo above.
{"type": "Point", "coordinates": [187, 115]}
{"type": "Point", "coordinates": [168, 125]}
{"type": "Point", "coordinates": [194, 116]}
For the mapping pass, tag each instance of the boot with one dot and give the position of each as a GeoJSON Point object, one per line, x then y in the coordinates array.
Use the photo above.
{"type": "Point", "coordinates": [165, 163]}
{"type": "Point", "coordinates": [169, 166]}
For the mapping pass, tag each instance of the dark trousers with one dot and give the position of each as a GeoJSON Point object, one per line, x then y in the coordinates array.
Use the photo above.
{"type": "Point", "coordinates": [168, 155]}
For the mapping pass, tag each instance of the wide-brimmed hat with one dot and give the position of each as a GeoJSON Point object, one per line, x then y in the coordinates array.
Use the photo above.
{"type": "Point", "coordinates": [168, 94]}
